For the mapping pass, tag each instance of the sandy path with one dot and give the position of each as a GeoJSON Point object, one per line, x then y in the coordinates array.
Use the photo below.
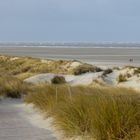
{"type": "Point", "coordinates": [14, 124]}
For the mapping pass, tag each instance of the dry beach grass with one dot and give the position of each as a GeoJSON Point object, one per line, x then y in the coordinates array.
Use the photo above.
{"type": "Point", "coordinates": [90, 112]}
{"type": "Point", "coordinates": [12, 87]}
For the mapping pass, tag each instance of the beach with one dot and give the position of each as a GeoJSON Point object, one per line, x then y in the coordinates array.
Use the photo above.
{"type": "Point", "coordinates": [70, 70]}
{"type": "Point", "coordinates": [98, 56]}
{"type": "Point", "coordinates": [48, 93]}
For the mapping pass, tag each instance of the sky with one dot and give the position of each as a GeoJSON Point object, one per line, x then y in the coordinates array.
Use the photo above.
{"type": "Point", "coordinates": [70, 20]}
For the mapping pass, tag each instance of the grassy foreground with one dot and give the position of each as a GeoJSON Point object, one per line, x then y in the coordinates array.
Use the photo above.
{"type": "Point", "coordinates": [92, 113]}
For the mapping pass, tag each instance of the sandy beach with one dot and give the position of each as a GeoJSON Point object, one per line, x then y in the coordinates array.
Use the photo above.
{"type": "Point", "coordinates": [98, 56]}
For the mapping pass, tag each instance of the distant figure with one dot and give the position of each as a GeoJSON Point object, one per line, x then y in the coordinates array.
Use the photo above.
{"type": "Point", "coordinates": [131, 60]}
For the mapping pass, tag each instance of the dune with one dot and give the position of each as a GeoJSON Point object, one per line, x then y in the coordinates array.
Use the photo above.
{"type": "Point", "coordinates": [87, 79]}
{"type": "Point", "coordinates": [84, 79]}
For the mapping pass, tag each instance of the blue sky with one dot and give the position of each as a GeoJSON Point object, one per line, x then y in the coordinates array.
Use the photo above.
{"type": "Point", "coordinates": [70, 20]}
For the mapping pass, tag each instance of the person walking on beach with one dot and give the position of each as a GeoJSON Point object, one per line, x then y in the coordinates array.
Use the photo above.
{"type": "Point", "coordinates": [131, 60]}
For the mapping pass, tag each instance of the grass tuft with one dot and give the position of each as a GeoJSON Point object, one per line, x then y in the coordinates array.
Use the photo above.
{"type": "Point", "coordinates": [122, 78]}
{"type": "Point", "coordinates": [85, 68]}
{"type": "Point", "coordinates": [137, 71]}
{"type": "Point", "coordinates": [12, 87]}
{"type": "Point", "coordinates": [107, 71]}
{"type": "Point", "coordinates": [58, 80]}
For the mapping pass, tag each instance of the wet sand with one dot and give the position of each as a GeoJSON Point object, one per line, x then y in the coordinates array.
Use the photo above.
{"type": "Point", "coordinates": [104, 56]}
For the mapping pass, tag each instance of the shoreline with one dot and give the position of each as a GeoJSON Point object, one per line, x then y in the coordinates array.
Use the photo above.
{"type": "Point", "coordinates": [71, 47]}
{"type": "Point", "coordinates": [98, 56]}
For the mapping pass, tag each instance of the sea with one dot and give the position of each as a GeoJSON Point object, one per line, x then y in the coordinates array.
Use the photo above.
{"type": "Point", "coordinates": [72, 44]}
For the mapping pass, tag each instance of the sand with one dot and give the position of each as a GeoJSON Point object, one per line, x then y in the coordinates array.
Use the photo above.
{"type": "Point", "coordinates": [98, 56]}
{"type": "Point", "coordinates": [20, 122]}
{"type": "Point", "coordinates": [84, 79]}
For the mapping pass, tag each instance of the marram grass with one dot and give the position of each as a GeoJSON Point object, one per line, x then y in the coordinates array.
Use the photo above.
{"type": "Point", "coordinates": [94, 113]}
{"type": "Point", "coordinates": [12, 87]}
{"type": "Point", "coordinates": [23, 67]}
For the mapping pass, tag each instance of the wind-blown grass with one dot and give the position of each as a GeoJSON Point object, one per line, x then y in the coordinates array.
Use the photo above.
{"type": "Point", "coordinates": [12, 87]}
{"type": "Point", "coordinates": [94, 113]}
{"type": "Point", "coordinates": [23, 67]}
